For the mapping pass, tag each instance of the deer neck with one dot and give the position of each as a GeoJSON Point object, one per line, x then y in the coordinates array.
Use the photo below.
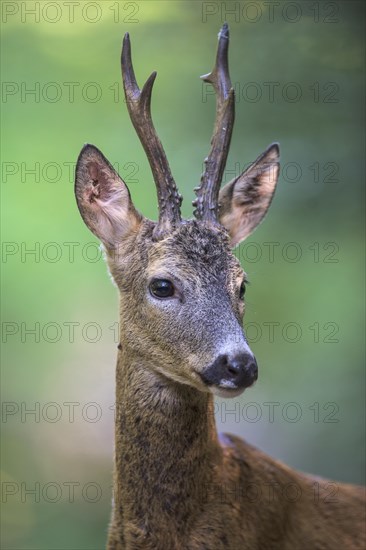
{"type": "Point", "coordinates": [166, 449]}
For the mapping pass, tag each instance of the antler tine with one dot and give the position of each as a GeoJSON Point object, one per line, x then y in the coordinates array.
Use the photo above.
{"type": "Point", "coordinates": [208, 192]}
{"type": "Point", "coordinates": [138, 104]}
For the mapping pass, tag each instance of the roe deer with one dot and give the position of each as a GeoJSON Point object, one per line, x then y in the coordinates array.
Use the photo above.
{"type": "Point", "coordinates": [177, 484]}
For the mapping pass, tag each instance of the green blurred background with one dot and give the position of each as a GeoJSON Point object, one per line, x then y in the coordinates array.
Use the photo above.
{"type": "Point", "coordinates": [298, 72]}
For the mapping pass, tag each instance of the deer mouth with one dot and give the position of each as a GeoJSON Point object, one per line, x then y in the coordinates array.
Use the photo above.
{"type": "Point", "coordinates": [230, 376]}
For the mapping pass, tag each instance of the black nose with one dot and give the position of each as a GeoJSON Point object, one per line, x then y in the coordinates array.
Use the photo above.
{"type": "Point", "coordinates": [238, 371]}
{"type": "Point", "coordinates": [241, 369]}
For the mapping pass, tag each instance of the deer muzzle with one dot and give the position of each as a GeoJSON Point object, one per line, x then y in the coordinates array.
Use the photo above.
{"type": "Point", "coordinates": [229, 375]}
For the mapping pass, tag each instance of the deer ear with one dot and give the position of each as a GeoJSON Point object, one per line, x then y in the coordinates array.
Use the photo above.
{"type": "Point", "coordinates": [103, 198]}
{"type": "Point", "coordinates": [245, 200]}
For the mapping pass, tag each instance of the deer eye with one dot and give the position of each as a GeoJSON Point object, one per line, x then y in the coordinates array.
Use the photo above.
{"type": "Point", "coordinates": [242, 290]}
{"type": "Point", "coordinates": [162, 288]}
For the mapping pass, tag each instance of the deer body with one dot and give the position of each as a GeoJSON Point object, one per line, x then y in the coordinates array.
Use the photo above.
{"type": "Point", "coordinates": [177, 487]}
{"type": "Point", "coordinates": [177, 484]}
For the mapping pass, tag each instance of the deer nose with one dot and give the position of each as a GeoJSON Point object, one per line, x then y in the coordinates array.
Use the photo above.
{"type": "Point", "coordinates": [231, 372]}
{"type": "Point", "coordinates": [242, 369]}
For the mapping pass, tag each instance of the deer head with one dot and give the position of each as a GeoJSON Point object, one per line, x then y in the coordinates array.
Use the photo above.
{"type": "Point", "coordinates": [181, 287]}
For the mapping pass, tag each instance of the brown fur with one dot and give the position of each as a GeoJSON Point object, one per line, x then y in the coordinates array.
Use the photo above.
{"type": "Point", "coordinates": [176, 485]}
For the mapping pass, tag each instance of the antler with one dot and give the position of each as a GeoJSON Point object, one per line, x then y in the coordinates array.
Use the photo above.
{"type": "Point", "coordinates": [208, 192]}
{"type": "Point", "coordinates": [138, 104]}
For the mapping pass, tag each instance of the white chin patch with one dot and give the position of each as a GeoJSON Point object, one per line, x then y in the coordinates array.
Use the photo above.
{"type": "Point", "coordinates": [226, 389]}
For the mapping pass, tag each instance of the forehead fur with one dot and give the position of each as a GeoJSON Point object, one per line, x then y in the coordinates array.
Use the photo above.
{"type": "Point", "coordinates": [195, 246]}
